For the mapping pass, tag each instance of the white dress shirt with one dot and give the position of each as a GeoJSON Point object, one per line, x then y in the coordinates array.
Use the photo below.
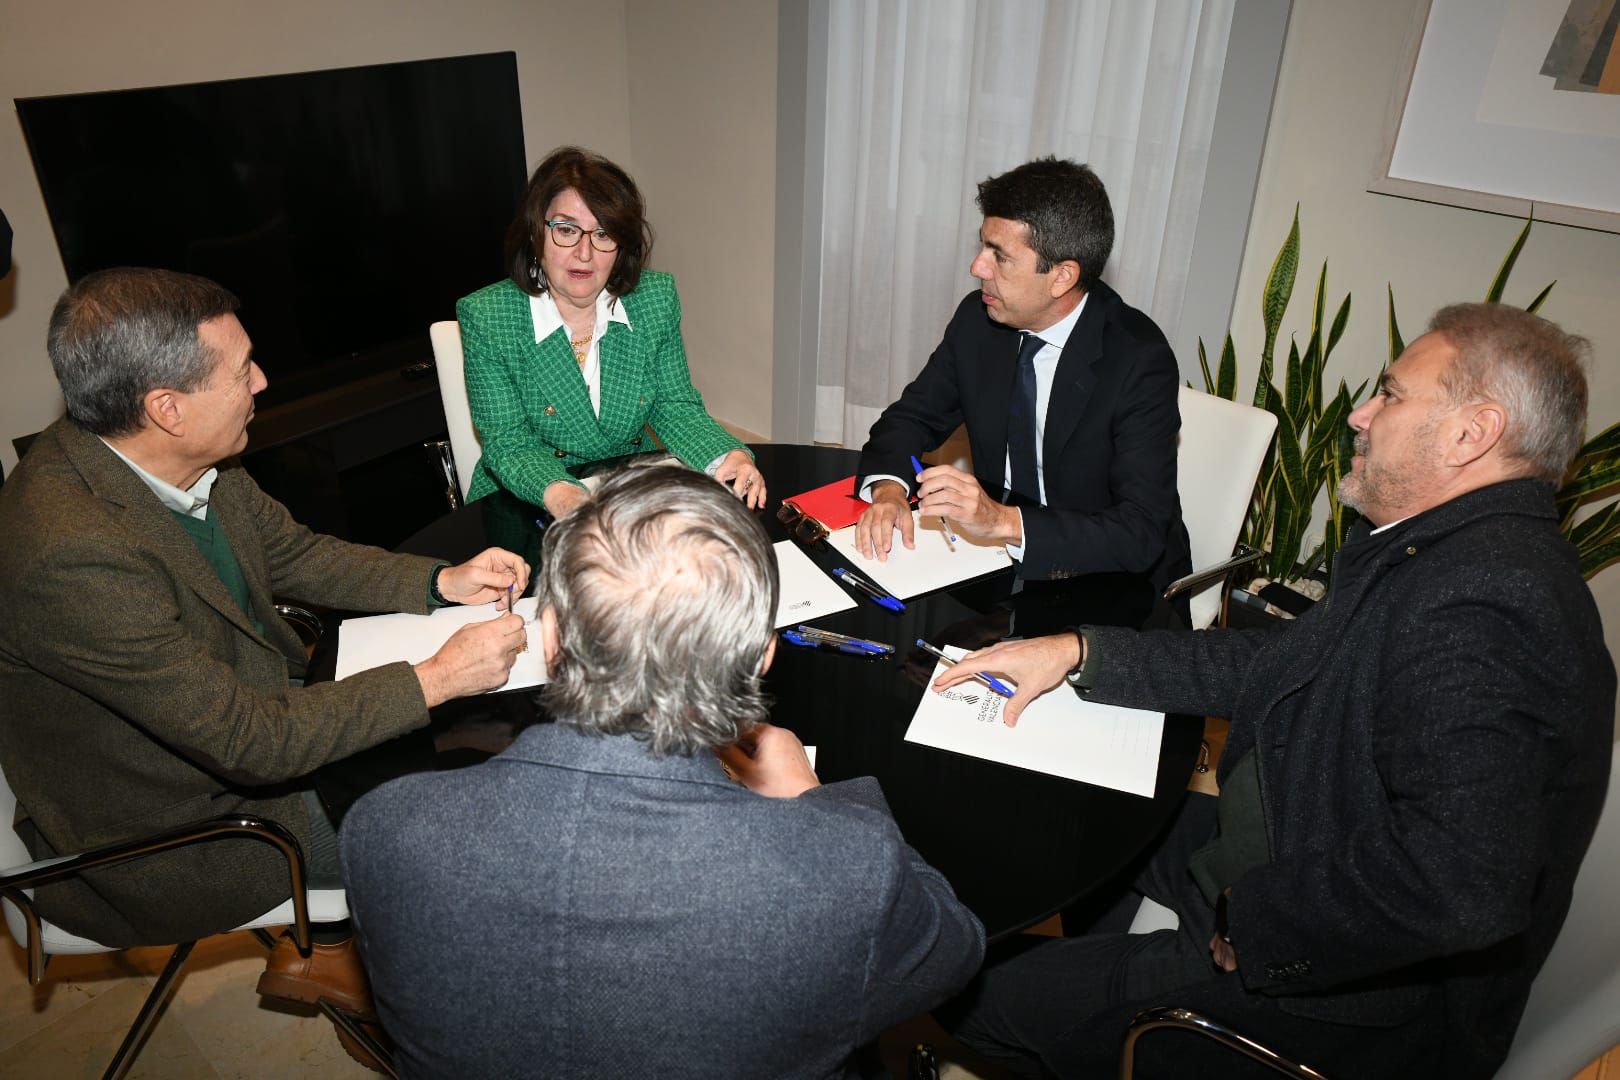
{"type": "Point", "coordinates": [1055, 337]}
{"type": "Point", "coordinates": [192, 503]}
{"type": "Point", "coordinates": [547, 321]}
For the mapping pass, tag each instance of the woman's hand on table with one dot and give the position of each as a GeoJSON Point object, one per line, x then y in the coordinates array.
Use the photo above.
{"type": "Point", "coordinates": [563, 497]}
{"type": "Point", "coordinates": [739, 473]}
{"type": "Point", "coordinates": [1035, 666]}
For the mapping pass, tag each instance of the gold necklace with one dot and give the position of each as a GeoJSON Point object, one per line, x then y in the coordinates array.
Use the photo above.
{"type": "Point", "coordinates": [582, 346]}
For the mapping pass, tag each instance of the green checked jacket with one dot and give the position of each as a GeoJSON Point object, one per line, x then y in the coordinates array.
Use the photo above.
{"type": "Point", "coordinates": [533, 411]}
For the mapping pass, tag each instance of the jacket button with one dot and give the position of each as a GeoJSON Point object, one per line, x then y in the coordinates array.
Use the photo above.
{"type": "Point", "coordinates": [1411, 551]}
{"type": "Point", "coordinates": [551, 410]}
{"type": "Point", "coordinates": [636, 441]}
{"type": "Point", "coordinates": [562, 453]}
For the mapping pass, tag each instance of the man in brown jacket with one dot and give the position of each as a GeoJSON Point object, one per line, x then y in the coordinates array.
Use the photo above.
{"type": "Point", "coordinates": [145, 678]}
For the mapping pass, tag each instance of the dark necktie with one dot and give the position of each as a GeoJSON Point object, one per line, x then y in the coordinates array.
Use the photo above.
{"type": "Point", "coordinates": [1021, 422]}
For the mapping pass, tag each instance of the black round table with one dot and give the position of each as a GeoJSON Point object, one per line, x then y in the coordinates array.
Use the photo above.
{"type": "Point", "coordinates": [1017, 846]}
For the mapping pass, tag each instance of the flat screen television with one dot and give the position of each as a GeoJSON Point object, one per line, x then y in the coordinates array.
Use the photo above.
{"type": "Point", "coordinates": [348, 209]}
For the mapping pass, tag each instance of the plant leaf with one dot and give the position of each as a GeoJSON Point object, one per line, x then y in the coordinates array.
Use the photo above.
{"type": "Point", "coordinates": [1535, 305]}
{"type": "Point", "coordinates": [1226, 375]}
{"type": "Point", "coordinates": [1599, 557]}
{"type": "Point", "coordinates": [1396, 345]}
{"type": "Point", "coordinates": [1294, 383]}
{"type": "Point", "coordinates": [1203, 366]}
{"type": "Point", "coordinates": [1337, 331]}
{"type": "Point", "coordinates": [1274, 301]}
{"type": "Point", "coordinates": [1494, 294]}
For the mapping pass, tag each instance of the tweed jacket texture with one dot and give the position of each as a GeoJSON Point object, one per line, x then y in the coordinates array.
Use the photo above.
{"type": "Point", "coordinates": [1433, 745]}
{"type": "Point", "coordinates": [1109, 447]}
{"type": "Point", "coordinates": [577, 907]}
{"type": "Point", "coordinates": [135, 694]}
{"type": "Point", "coordinates": [533, 411]}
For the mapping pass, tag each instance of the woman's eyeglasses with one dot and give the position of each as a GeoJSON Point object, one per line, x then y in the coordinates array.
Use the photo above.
{"type": "Point", "coordinates": [801, 526]}
{"type": "Point", "coordinates": [566, 234]}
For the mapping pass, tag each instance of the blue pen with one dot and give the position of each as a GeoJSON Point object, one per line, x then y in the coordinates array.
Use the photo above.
{"type": "Point", "coordinates": [950, 537]}
{"type": "Point", "coordinates": [989, 680]}
{"type": "Point", "coordinates": [850, 647]}
{"type": "Point", "coordinates": [878, 596]}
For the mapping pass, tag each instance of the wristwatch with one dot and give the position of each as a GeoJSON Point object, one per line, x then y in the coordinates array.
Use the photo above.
{"type": "Point", "coordinates": [433, 586]}
{"type": "Point", "coordinates": [1073, 676]}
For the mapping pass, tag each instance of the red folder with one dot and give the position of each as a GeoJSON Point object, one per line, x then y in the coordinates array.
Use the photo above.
{"type": "Point", "coordinates": [834, 504]}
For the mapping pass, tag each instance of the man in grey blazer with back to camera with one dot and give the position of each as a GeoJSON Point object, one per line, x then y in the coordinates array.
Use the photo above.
{"type": "Point", "coordinates": [1414, 770]}
{"type": "Point", "coordinates": [603, 899]}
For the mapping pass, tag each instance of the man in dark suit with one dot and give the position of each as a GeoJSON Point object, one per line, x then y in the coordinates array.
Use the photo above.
{"type": "Point", "coordinates": [602, 898]}
{"type": "Point", "coordinates": [1068, 393]}
{"type": "Point", "coordinates": [146, 681]}
{"type": "Point", "coordinates": [1414, 769]}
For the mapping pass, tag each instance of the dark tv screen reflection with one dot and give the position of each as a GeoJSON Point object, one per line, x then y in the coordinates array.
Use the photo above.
{"type": "Point", "coordinates": [348, 209]}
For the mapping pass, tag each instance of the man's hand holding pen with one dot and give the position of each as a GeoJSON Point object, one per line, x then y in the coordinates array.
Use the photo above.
{"type": "Point", "coordinates": [484, 577]}
{"type": "Point", "coordinates": [478, 657]}
{"type": "Point", "coordinates": [1036, 666]}
{"type": "Point", "coordinates": [950, 493]}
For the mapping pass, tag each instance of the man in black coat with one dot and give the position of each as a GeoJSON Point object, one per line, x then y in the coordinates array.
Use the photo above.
{"type": "Point", "coordinates": [1414, 770]}
{"type": "Point", "coordinates": [1068, 394]}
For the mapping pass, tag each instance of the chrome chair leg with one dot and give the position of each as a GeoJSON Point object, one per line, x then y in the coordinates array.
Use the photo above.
{"type": "Point", "coordinates": [1187, 1020]}
{"type": "Point", "coordinates": [360, 1035]}
{"type": "Point", "coordinates": [155, 1001]}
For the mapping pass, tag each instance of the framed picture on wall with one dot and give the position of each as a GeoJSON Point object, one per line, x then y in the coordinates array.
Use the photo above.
{"type": "Point", "coordinates": [1511, 107]}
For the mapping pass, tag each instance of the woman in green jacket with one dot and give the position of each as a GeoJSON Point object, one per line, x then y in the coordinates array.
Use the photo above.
{"type": "Point", "coordinates": [578, 351]}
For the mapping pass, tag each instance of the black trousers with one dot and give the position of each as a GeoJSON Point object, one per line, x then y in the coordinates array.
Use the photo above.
{"type": "Point", "coordinates": [1061, 1006]}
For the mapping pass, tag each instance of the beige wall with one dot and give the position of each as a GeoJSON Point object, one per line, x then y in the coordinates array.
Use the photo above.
{"type": "Point", "coordinates": [575, 93]}
{"type": "Point", "coordinates": [1338, 66]}
{"type": "Point", "coordinates": [703, 134]}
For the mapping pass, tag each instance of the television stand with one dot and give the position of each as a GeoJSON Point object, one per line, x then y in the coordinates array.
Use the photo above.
{"type": "Point", "coordinates": [349, 460]}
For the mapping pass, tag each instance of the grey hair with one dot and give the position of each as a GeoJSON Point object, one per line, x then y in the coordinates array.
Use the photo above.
{"type": "Point", "coordinates": [1528, 366]}
{"type": "Point", "coordinates": [664, 590]}
{"type": "Point", "coordinates": [116, 335]}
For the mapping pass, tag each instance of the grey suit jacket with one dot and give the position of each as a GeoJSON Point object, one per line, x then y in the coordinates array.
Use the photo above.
{"type": "Point", "coordinates": [576, 907]}
{"type": "Point", "coordinates": [135, 695]}
{"type": "Point", "coordinates": [1433, 747]}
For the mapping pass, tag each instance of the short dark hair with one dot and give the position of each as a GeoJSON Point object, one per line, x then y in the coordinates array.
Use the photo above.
{"type": "Point", "coordinates": [116, 335]}
{"type": "Point", "coordinates": [1066, 208]}
{"type": "Point", "coordinates": [664, 588]}
{"type": "Point", "coordinates": [1528, 366]}
{"type": "Point", "coordinates": [612, 196]}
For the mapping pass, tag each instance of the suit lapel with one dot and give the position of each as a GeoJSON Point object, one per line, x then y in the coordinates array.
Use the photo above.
{"type": "Point", "coordinates": [556, 381]}
{"type": "Point", "coordinates": [1076, 373]}
{"type": "Point", "coordinates": [619, 379]}
{"type": "Point", "coordinates": [147, 518]}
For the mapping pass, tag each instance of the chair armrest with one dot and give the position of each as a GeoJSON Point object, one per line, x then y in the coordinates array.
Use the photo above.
{"type": "Point", "coordinates": [1187, 1020]}
{"type": "Point", "coordinates": [233, 827]}
{"type": "Point", "coordinates": [1197, 578]}
{"type": "Point", "coordinates": [305, 623]}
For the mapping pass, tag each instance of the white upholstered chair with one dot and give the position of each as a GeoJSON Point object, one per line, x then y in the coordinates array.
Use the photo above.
{"type": "Point", "coordinates": [1573, 1014]}
{"type": "Point", "coordinates": [1223, 444]}
{"type": "Point", "coordinates": [465, 449]}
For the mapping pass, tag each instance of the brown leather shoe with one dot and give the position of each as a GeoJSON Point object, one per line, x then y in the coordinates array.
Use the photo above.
{"type": "Point", "coordinates": [332, 972]}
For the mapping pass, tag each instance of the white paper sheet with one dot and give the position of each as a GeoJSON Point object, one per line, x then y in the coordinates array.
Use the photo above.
{"type": "Point", "coordinates": [375, 640]}
{"type": "Point", "coordinates": [930, 565]}
{"type": "Point", "coordinates": [807, 592]}
{"type": "Point", "coordinates": [1059, 734]}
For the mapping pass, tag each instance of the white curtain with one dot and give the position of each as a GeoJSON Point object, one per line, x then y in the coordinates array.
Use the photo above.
{"type": "Point", "coordinates": [925, 98]}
